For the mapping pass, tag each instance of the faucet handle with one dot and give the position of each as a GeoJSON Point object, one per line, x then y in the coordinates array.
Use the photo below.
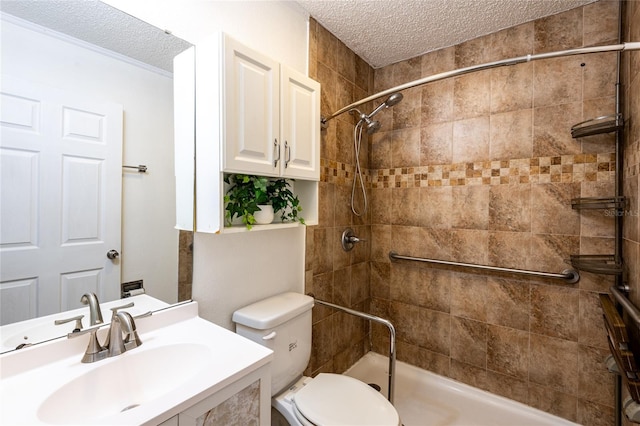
{"type": "Point", "coordinates": [115, 309]}
{"type": "Point", "coordinates": [77, 319]}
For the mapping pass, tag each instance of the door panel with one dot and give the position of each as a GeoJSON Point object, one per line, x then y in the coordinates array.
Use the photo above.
{"type": "Point", "coordinates": [61, 199]}
{"type": "Point", "coordinates": [83, 192]}
{"type": "Point", "coordinates": [74, 284]}
{"type": "Point", "coordinates": [19, 300]}
{"type": "Point", "coordinates": [19, 182]}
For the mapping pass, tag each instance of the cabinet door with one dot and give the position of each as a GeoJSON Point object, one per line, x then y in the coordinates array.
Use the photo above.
{"type": "Point", "coordinates": [300, 125]}
{"type": "Point", "coordinates": [252, 111]}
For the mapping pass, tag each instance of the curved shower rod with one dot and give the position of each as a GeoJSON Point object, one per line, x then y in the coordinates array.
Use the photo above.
{"type": "Point", "coordinates": [488, 65]}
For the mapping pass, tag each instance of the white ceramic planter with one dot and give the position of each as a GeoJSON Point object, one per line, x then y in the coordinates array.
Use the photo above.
{"type": "Point", "coordinates": [265, 215]}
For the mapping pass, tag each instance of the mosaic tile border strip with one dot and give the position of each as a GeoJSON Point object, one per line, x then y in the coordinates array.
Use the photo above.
{"type": "Point", "coordinates": [562, 169]}
{"type": "Point", "coordinates": [336, 172]}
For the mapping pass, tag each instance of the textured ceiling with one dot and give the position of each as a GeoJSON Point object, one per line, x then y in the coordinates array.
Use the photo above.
{"type": "Point", "coordinates": [102, 25]}
{"type": "Point", "coordinates": [380, 31]}
{"type": "Point", "coordinates": [383, 32]}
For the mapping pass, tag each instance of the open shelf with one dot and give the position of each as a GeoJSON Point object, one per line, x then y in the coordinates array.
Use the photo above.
{"type": "Point", "coordinates": [596, 126]}
{"type": "Point", "coordinates": [597, 263]}
{"type": "Point", "coordinates": [598, 203]}
{"type": "Point", "coordinates": [242, 228]}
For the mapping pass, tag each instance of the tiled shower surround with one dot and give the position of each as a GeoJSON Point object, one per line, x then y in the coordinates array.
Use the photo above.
{"type": "Point", "coordinates": [631, 96]}
{"type": "Point", "coordinates": [477, 169]}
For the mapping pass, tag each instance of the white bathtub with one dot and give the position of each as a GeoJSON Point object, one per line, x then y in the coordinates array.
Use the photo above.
{"type": "Point", "coordinates": [423, 398]}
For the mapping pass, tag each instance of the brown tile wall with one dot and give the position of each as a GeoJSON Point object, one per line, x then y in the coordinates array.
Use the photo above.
{"type": "Point", "coordinates": [332, 274]}
{"type": "Point", "coordinates": [482, 169]}
{"type": "Point", "coordinates": [631, 97]}
{"type": "Point", "coordinates": [479, 169]}
{"type": "Point", "coordinates": [631, 88]}
{"type": "Point", "coordinates": [185, 265]}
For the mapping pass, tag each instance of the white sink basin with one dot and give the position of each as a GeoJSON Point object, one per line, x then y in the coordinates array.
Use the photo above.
{"type": "Point", "coordinates": [125, 383]}
{"type": "Point", "coordinates": [182, 360]}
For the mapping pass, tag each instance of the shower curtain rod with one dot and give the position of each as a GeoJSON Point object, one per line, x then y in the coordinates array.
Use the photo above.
{"type": "Point", "coordinates": [488, 65]}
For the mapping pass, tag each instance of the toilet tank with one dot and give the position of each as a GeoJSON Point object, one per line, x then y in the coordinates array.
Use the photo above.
{"type": "Point", "coordinates": [282, 323]}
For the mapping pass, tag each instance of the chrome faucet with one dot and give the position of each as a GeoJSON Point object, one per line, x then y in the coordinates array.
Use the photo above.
{"type": "Point", "coordinates": [95, 315]}
{"type": "Point", "coordinates": [121, 337]}
{"type": "Point", "coordinates": [114, 312]}
{"type": "Point", "coordinates": [122, 322]}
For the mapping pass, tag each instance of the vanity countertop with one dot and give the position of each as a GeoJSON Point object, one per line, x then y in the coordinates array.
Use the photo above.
{"type": "Point", "coordinates": [183, 359]}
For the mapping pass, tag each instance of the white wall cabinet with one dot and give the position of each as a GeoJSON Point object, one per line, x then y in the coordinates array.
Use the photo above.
{"type": "Point", "coordinates": [253, 115]}
{"type": "Point", "coordinates": [272, 115]}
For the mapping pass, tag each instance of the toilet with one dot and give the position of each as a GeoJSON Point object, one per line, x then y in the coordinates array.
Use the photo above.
{"type": "Point", "coordinates": [282, 323]}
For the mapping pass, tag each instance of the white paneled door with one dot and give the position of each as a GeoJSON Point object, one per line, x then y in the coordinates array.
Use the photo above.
{"type": "Point", "coordinates": [60, 205]}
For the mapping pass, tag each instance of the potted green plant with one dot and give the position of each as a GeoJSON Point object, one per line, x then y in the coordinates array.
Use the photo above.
{"type": "Point", "coordinates": [247, 193]}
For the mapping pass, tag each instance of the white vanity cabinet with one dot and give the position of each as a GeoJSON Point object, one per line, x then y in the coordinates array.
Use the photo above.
{"type": "Point", "coordinates": [241, 403]}
{"type": "Point", "coordinates": [253, 115]}
{"type": "Point", "coordinates": [244, 402]}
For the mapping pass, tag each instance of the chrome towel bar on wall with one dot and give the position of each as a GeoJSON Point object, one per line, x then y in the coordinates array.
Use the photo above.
{"type": "Point", "coordinates": [571, 276]}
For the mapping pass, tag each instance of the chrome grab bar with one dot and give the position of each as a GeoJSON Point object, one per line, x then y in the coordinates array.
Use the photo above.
{"type": "Point", "coordinates": [392, 338]}
{"type": "Point", "coordinates": [629, 307]}
{"type": "Point", "coordinates": [570, 275]}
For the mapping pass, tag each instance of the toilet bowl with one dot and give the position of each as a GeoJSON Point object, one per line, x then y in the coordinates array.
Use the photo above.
{"type": "Point", "coordinates": [283, 324]}
{"type": "Point", "coordinates": [334, 399]}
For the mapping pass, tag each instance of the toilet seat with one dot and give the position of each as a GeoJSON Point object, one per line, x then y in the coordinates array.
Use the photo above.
{"type": "Point", "coordinates": [334, 399]}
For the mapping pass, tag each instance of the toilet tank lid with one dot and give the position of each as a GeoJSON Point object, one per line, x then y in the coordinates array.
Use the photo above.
{"type": "Point", "coordinates": [271, 312]}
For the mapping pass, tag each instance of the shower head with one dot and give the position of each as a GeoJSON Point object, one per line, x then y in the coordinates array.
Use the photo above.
{"type": "Point", "coordinates": [372, 125]}
{"type": "Point", "coordinates": [392, 100]}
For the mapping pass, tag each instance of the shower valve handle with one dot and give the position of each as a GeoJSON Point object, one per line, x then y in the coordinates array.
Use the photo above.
{"type": "Point", "coordinates": [354, 239]}
{"type": "Point", "coordinates": [349, 239]}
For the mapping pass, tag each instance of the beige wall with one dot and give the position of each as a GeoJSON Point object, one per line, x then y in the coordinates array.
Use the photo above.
{"type": "Point", "coordinates": [477, 169]}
